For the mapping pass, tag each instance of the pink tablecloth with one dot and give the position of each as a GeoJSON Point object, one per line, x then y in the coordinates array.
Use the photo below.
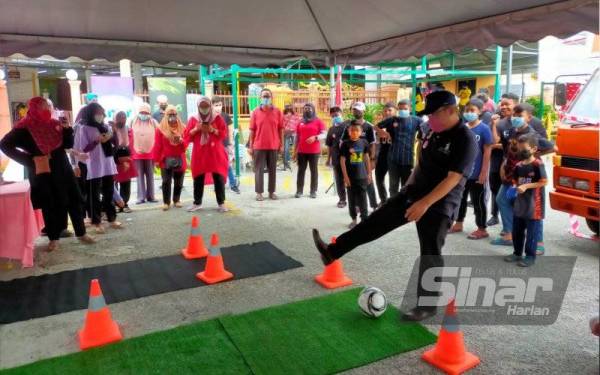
{"type": "Point", "coordinates": [20, 225]}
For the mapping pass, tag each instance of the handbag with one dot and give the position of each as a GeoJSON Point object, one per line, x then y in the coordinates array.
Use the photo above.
{"type": "Point", "coordinates": [173, 162]}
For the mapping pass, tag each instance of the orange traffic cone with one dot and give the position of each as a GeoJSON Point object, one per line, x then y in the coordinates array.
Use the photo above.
{"type": "Point", "coordinates": [99, 328]}
{"type": "Point", "coordinates": [195, 248]}
{"type": "Point", "coordinates": [214, 272]}
{"type": "Point", "coordinates": [333, 276]}
{"type": "Point", "coordinates": [449, 353]}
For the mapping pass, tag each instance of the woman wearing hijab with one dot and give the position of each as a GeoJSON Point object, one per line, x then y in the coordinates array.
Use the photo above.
{"type": "Point", "coordinates": [308, 148]}
{"type": "Point", "coordinates": [169, 154]}
{"type": "Point", "coordinates": [94, 138]}
{"type": "Point", "coordinates": [143, 128]}
{"type": "Point", "coordinates": [206, 132]}
{"type": "Point", "coordinates": [38, 142]}
{"type": "Point", "coordinates": [125, 168]}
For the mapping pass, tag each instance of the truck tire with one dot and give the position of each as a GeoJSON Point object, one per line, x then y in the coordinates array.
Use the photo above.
{"type": "Point", "coordinates": [593, 225]}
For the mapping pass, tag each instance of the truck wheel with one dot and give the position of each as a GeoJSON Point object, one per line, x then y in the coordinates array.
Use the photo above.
{"type": "Point", "coordinates": [593, 225]}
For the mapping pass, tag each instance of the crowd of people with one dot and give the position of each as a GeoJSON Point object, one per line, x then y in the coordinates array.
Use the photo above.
{"type": "Point", "coordinates": [85, 171]}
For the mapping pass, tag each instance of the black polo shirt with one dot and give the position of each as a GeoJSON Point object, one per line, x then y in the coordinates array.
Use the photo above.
{"type": "Point", "coordinates": [453, 150]}
{"type": "Point", "coordinates": [333, 140]}
{"type": "Point", "coordinates": [368, 132]}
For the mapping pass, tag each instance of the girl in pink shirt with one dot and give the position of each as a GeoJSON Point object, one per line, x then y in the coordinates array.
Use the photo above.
{"type": "Point", "coordinates": [308, 148]}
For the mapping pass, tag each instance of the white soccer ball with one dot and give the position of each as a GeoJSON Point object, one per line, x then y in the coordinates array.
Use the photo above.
{"type": "Point", "coordinates": [372, 302]}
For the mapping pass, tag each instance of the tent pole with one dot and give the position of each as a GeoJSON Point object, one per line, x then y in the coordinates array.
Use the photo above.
{"type": "Point", "coordinates": [331, 85]}
{"type": "Point", "coordinates": [413, 99]}
{"type": "Point", "coordinates": [234, 104]}
{"type": "Point", "coordinates": [498, 68]}
{"type": "Point", "coordinates": [509, 68]}
{"type": "Point", "coordinates": [202, 72]}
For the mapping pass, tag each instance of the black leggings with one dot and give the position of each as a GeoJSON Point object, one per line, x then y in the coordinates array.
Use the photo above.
{"type": "Point", "coordinates": [219, 182]}
{"type": "Point", "coordinates": [495, 183]}
{"type": "Point", "coordinates": [312, 161]}
{"type": "Point", "coordinates": [55, 219]}
{"type": "Point", "coordinates": [477, 193]}
{"type": "Point", "coordinates": [167, 175]}
{"type": "Point", "coordinates": [338, 175]}
{"type": "Point", "coordinates": [381, 169]}
{"type": "Point", "coordinates": [106, 186]}
{"type": "Point", "coordinates": [125, 191]}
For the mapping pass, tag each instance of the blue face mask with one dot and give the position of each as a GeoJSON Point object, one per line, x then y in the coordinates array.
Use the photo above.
{"type": "Point", "coordinates": [517, 122]}
{"type": "Point", "coordinates": [144, 117]}
{"type": "Point", "coordinates": [403, 113]}
{"type": "Point", "coordinates": [337, 120]}
{"type": "Point", "coordinates": [265, 101]}
{"type": "Point", "coordinates": [470, 116]}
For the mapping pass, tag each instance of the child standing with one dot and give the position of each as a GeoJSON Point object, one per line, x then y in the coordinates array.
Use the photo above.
{"type": "Point", "coordinates": [356, 168]}
{"type": "Point", "coordinates": [529, 179]}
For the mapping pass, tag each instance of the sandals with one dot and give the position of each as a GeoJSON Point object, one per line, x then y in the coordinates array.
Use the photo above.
{"type": "Point", "coordinates": [52, 246]}
{"type": "Point", "coordinates": [454, 229]}
{"type": "Point", "coordinates": [116, 225]}
{"type": "Point", "coordinates": [259, 197]}
{"type": "Point", "coordinates": [478, 235]}
{"type": "Point", "coordinates": [87, 239]}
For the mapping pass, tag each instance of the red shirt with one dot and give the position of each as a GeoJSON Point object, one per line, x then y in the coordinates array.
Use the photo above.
{"type": "Point", "coordinates": [266, 125]}
{"type": "Point", "coordinates": [305, 131]}
{"type": "Point", "coordinates": [163, 148]}
{"type": "Point", "coordinates": [210, 157]}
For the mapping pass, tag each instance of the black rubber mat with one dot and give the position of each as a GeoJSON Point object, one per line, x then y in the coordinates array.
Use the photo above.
{"type": "Point", "coordinates": [50, 294]}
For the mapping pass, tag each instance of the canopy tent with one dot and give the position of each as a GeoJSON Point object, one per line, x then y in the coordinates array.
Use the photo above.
{"type": "Point", "coordinates": [264, 32]}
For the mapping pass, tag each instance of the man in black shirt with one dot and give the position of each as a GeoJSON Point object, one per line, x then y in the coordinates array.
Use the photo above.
{"type": "Point", "coordinates": [368, 134]}
{"type": "Point", "coordinates": [332, 141]}
{"type": "Point", "coordinates": [431, 197]}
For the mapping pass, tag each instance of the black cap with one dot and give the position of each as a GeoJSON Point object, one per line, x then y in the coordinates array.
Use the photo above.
{"type": "Point", "coordinates": [437, 100]}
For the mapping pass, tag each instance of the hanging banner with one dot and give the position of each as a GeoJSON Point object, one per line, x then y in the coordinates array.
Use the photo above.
{"type": "Point", "coordinates": [114, 94]}
{"type": "Point", "coordinates": [175, 90]}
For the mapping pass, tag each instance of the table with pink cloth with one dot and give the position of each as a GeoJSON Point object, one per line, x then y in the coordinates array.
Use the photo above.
{"type": "Point", "coordinates": [20, 224]}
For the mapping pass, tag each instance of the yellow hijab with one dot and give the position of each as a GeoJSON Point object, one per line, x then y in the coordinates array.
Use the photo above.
{"type": "Point", "coordinates": [169, 131]}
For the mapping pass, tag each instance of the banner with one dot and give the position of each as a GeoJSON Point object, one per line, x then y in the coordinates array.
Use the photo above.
{"type": "Point", "coordinates": [114, 94]}
{"type": "Point", "coordinates": [175, 90]}
{"type": "Point", "coordinates": [192, 108]}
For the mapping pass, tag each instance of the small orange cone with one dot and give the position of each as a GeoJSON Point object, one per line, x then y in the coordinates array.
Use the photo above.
{"type": "Point", "coordinates": [99, 328]}
{"type": "Point", "coordinates": [449, 353]}
{"type": "Point", "coordinates": [333, 276]}
{"type": "Point", "coordinates": [214, 272]}
{"type": "Point", "coordinates": [195, 248]}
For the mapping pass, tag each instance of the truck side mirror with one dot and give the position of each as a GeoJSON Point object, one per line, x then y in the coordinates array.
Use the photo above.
{"type": "Point", "coordinates": [560, 94]}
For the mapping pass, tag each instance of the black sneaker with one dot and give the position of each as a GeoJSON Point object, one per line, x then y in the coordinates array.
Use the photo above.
{"type": "Point", "coordinates": [235, 189]}
{"type": "Point", "coordinates": [298, 195]}
{"type": "Point", "coordinates": [342, 204]}
{"type": "Point", "coordinates": [323, 248]}
{"type": "Point", "coordinates": [493, 221]}
{"type": "Point", "coordinates": [512, 258]}
{"type": "Point", "coordinates": [419, 313]}
{"type": "Point", "coordinates": [526, 262]}
{"type": "Point", "coordinates": [313, 195]}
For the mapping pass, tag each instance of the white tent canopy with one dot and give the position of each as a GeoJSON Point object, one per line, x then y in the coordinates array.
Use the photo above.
{"type": "Point", "coordinates": [261, 32]}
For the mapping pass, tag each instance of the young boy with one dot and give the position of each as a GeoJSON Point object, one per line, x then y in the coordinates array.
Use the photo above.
{"type": "Point", "coordinates": [332, 141]}
{"type": "Point", "coordinates": [475, 185]}
{"type": "Point", "coordinates": [529, 178]}
{"type": "Point", "coordinates": [356, 168]}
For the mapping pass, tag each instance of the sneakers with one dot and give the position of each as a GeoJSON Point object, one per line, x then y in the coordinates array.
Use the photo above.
{"type": "Point", "coordinates": [298, 195]}
{"type": "Point", "coordinates": [512, 258]}
{"type": "Point", "coordinates": [194, 208]}
{"type": "Point", "coordinates": [152, 200]}
{"type": "Point", "coordinates": [313, 195]}
{"type": "Point", "coordinates": [140, 201]}
{"type": "Point", "coordinates": [341, 204]}
{"type": "Point", "coordinates": [526, 262]}
{"type": "Point", "coordinates": [236, 189]}
{"type": "Point", "coordinates": [492, 221]}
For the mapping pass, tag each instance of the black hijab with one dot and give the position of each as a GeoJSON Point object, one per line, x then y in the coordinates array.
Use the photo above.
{"type": "Point", "coordinates": [88, 118]}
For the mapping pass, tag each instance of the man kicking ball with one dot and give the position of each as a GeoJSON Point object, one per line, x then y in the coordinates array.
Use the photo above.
{"type": "Point", "coordinates": [431, 196]}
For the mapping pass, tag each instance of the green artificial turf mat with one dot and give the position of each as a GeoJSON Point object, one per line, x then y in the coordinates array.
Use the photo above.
{"type": "Point", "coordinates": [321, 336]}
{"type": "Point", "coordinates": [199, 348]}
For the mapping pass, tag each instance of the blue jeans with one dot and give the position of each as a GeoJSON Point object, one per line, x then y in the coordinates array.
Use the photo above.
{"type": "Point", "coordinates": [288, 142]}
{"type": "Point", "coordinates": [506, 209]}
{"type": "Point", "coordinates": [231, 177]}
{"type": "Point", "coordinates": [525, 235]}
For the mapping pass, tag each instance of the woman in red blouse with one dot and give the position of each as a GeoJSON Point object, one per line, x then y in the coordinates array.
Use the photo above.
{"type": "Point", "coordinates": [308, 148]}
{"type": "Point", "coordinates": [206, 132]}
{"type": "Point", "coordinates": [169, 155]}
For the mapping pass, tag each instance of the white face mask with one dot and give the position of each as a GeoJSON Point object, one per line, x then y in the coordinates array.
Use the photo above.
{"type": "Point", "coordinates": [204, 111]}
{"type": "Point", "coordinates": [99, 118]}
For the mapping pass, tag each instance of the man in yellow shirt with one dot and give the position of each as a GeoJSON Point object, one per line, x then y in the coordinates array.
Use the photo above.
{"type": "Point", "coordinates": [464, 95]}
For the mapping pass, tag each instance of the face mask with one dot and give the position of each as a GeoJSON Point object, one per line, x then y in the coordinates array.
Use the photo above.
{"type": "Point", "coordinates": [517, 122]}
{"type": "Point", "coordinates": [358, 115]}
{"type": "Point", "coordinates": [172, 118]}
{"type": "Point", "coordinates": [435, 125]}
{"type": "Point", "coordinates": [99, 118]}
{"type": "Point", "coordinates": [144, 117]}
{"type": "Point", "coordinates": [265, 101]}
{"type": "Point", "coordinates": [337, 120]}
{"type": "Point", "coordinates": [524, 154]}
{"type": "Point", "coordinates": [163, 106]}
{"type": "Point", "coordinates": [204, 111]}
{"type": "Point", "coordinates": [403, 113]}
{"type": "Point", "coordinates": [308, 113]}
{"type": "Point", "coordinates": [470, 116]}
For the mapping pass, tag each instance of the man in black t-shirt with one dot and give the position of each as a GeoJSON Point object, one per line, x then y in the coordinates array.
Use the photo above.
{"type": "Point", "coordinates": [368, 134]}
{"type": "Point", "coordinates": [333, 141]}
{"type": "Point", "coordinates": [431, 196]}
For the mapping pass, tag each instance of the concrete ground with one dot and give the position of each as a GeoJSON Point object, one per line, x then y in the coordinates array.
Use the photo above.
{"type": "Point", "coordinates": [566, 347]}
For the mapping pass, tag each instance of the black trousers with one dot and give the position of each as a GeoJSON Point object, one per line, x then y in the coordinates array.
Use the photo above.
{"type": "Point", "coordinates": [381, 169]}
{"type": "Point", "coordinates": [372, 195]}
{"type": "Point", "coordinates": [312, 160]}
{"type": "Point", "coordinates": [168, 175]}
{"type": "Point", "coordinates": [84, 187]}
{"type": "Point", "coordinates": [525, 235]}
{"type": "Point", "coordinates": [55, 218]}
{"type": "Point", "coordinates": [219, 182]}
{"type": "Point", "coordinates": [105, 186]}
{"type": "Point", "coordinates": [431, 229]}
{"type": "Point", "coordinates": [338, 176]}
{"type": "Point", "coordinates": [357, 197]}
{"type": "Point", "coordinates": [125, 191]}
{"type": "Point", "coordinates": [399, 174]}
{"type": "Point", "coordinates": [495, 183]}
{"type": "Point", "coordinates": [477, 193]}
{"type": "Point", "coordinates": [264, 158]}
